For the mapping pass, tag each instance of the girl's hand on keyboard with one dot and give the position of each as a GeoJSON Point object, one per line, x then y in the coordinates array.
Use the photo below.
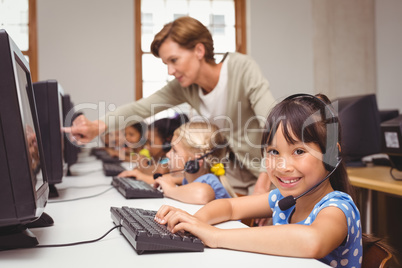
{"type": "Point", "coordinates": [164, 212]}
{"type": "Point", "coordinates": [166, 184]}
{"type": "Point", "coordinates": [179, 220]}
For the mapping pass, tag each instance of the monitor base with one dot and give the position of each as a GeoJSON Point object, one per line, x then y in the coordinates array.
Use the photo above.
{"type": "Point", "coordinates": [43, 221]}
{"type": "Point", "coordinates": [17, 237]}
{"type": "Point", "coordinates": [53, 191]}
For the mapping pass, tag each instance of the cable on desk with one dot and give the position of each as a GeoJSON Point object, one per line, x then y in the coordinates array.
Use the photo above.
{"type": "Point", "coordinates": [80, 198]}
{"type": "Point", "coordinates": [79, 243]}
{"type": "Point", "coordinates": [83, 187]}
{"type": "Point", "coordinates": [392, 175]}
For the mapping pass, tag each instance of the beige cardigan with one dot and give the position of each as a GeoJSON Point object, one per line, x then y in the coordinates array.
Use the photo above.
{"type": "Point", "coordinates": [248, 102]}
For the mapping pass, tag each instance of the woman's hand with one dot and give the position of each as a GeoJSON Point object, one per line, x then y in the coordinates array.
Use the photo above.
{"type": "Point", "coordinates": [83, 130]}
{"type": "Point", "coordinates": [179, 220]}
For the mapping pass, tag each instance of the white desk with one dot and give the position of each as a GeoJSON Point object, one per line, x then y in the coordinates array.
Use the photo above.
{"type": "Point", "coordinates": [88, 219]}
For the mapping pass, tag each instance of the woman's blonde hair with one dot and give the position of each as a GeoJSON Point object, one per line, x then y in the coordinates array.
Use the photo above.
{"type": "Point", "coordinates": [202, 137]}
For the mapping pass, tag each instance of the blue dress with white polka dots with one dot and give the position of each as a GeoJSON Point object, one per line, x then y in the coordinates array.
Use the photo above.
{"type": "Point", "coordinates": [350, 253]}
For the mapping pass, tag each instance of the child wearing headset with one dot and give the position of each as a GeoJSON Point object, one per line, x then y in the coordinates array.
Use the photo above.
{"type": "Point", "coordinates": [197, 151]}
{"type": "Point", "coordinates": [159, 136]}
{"type": "Point", "coordinates": [300, 146]}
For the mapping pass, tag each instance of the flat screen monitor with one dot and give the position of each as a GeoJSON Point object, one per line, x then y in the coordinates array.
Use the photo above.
{"type": "Point", "coordinates": [71, 150]}
{"type": "Point", "coordinates": [391, 137]}
{"type": "Point", "coordinates": [49, 97]}
{"type": "Point", "coordinates": [360, 123]}
{"type": "Point", "coordinates": [23, 179]}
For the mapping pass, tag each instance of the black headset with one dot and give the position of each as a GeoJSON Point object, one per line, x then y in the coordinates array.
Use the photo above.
{"type": "Point", "coordinates": [191, 166]}
{"type": "Point", "coordinates": [332, 154]}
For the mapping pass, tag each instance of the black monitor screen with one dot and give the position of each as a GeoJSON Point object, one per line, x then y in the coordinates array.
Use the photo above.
{"type": "Point", "coordinates": [48, 97]}
{"type": "Point", "coordinates": [360, 123]}
{"type": "Point", "coordinates": [28, 125]}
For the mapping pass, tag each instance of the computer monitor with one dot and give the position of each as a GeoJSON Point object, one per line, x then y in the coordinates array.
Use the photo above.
{"type": "Point", "coordinates": [360, 123]}
{"type": "Point", "coordinates": [23, 179]}
{"type": "Point", "coordinates": [48, 97]}
{"type": "Point", "coordinates": [71, 150]}
{"type": "Point", "coordinates": [391, 137]}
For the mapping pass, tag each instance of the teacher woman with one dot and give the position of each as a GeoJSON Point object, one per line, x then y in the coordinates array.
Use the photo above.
{"type": "Point", "coordinates": [233, 94]}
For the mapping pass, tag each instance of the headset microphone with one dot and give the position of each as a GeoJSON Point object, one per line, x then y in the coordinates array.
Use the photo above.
{"type": "Point", "coordinates": [191, 166]}
{"type": "Point", "coordinates": [290, 201]}
{"type": "Point", "coordinates": [157, 175]}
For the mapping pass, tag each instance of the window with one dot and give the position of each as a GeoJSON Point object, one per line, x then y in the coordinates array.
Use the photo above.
{"type": "Point", "coordinates": [18, 18]}
{"type": "Point", "coordinates": [224, 18]}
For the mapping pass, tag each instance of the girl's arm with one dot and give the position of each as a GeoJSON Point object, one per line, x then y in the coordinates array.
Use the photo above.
{"type": "Point", "coordinates": [325, 234]}
{"type": "Point", "coordinates": [226, 209]}
{"type": "Point", "coordinates": [246, 207]}
{"type": "Point", "coordinates": [193, 193]}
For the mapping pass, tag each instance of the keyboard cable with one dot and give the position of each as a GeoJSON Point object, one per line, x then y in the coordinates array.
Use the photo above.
{"type": "Point", "coordinates": [80, 198]}
{"type": "Point", "coordinates": [81, 242]}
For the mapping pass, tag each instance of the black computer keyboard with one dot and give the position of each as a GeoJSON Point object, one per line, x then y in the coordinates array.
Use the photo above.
{"type": "Point", "coordinates": [131, 188]}
{"type": "Point", "coordinates": [112, 169]}
{"type": "Point", "coordinates": [146, 235]}
{"type": "Point", "coordinates": [98, 152]}
{"type": "Point", "coordinates": [103, 155]}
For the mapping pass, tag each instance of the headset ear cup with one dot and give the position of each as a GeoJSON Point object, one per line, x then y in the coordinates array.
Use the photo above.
{"type": "Point", "coordinates": [192, 166]}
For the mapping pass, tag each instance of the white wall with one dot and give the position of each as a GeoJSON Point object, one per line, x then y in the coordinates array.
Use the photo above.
{"type": "Point", "coordinates": [281, 41]}
{"type": "Point", "coordinates": [389, 53]}
{"type": "Point", "coordinates": [88, 46]}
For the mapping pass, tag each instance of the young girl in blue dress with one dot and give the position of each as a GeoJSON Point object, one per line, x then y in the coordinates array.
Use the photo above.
{"type": "Point", "coordinates": [301, 143]}
{"type": "Point", "coordinates": [202, 142]}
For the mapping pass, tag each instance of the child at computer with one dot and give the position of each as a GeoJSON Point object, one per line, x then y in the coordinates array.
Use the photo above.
{"type": "Point", "coordinates": [197, 151]}
{"type": "Point", "coordinates": [134, 141]}
{"type": "Point", "coordinates": [123, 143]}
{"type": "Point", "coordinates": [318, 218]}
{"type": "Point", "coordinates": [113, 143]}
{"type": "Point", "coordinates": [159, 136]}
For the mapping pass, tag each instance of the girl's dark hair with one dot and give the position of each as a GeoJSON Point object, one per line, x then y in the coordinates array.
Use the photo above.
{"type": "Point", "coordinates": [304, 119]}
{"type": "Point", "coordinates": [141, 127]}
{"type": "Point", "coordinates": [165, 127]}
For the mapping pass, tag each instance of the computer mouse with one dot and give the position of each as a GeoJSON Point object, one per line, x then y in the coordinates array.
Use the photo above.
{"type": "Point", "coordinates": [43, 221]}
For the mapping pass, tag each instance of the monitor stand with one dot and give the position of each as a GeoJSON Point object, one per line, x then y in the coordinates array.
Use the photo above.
{"type": "Point", "coordinates": [17, 237]}
{"type": "Point", "coordinates": [53, 191]}
{"type": "Point", "coordinates": [43, 221]}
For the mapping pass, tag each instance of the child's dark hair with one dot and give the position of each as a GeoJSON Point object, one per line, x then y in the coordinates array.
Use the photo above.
{"type": "Point", "coordinates": [296, 114]}
{"type": "Point", "coordinates": [165, 127]}
{"type": "Point", "coordinates": [141, 127]}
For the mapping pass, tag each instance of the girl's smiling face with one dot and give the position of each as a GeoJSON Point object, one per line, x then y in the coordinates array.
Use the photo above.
{"type": "Point", "coordinates": [293, 168]}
